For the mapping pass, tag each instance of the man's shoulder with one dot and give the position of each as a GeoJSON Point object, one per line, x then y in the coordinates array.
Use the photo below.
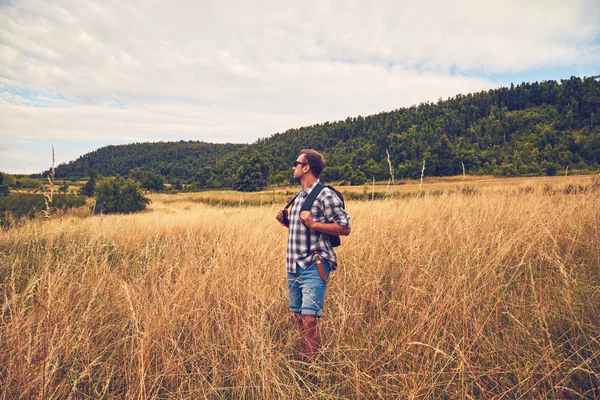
{"type": "Point", "coordinates": [330, 193]}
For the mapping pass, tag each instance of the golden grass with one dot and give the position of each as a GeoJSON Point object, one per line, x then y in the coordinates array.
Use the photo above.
{"type": "Point", "coordinates": [487, 294]}
{"type": "Point", "coordinates": [434, 185]}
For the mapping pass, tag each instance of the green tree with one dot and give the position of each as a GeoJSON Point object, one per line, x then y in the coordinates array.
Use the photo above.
{"type": "Point", "coordinates": [149, 180]}
{"type": "Point", "coordinates": [119, 195]}
{"type": "Point", "coordinates": [90, 185]}
{"type": "Point", "coordinates": [444, 160]}
{"type": "Point", "coordinates": [177, 184]}
{"type": "Point", "coordinates": [252, 174]}
{"type": "Point", "coordinates": [358, 177]}
{"type": "Point", "coordinates": [203, 176]}
{"type": "Point", "coordinates": [3, 188]}
{"type": "Point", "coordinates": [8, 179]}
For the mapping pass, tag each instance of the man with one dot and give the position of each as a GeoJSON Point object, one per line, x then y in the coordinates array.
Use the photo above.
{"type": "Point", "coordinates": [310, 256]}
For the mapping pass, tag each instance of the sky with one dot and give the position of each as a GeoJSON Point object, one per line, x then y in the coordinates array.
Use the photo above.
{"type": "Point", "coordinates": [77, 75]}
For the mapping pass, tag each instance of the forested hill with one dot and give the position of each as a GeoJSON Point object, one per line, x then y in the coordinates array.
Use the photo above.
{"type": "Point", "coordinates": [528, 129]}
{"type": "Point", "coordinates": [173, 159]}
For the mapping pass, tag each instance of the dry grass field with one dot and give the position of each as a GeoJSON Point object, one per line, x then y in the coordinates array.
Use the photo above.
{"type": "Point", "coordinates": [464, 290]}
{"type": "Point", "coordinates": [401, 190]}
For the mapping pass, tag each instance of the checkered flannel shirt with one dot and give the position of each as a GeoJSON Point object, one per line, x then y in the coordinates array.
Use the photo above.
{"type": "Point", "coordinates": [327, 208]}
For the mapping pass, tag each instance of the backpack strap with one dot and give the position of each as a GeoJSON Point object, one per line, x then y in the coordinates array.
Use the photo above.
{"type": "Point", "coordinates": [307, 205]}
{"type": "Point", "coordinates": [291, 201]}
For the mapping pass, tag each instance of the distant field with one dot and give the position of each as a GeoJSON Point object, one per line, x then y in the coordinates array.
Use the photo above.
{"type": "Point", "coordinates": [383, 190]}
{"type": "Point", "coordinates": [488, 288]}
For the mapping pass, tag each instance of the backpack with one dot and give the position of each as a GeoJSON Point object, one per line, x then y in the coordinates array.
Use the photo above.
{"type": "Point", "coordinates": [306, 206]}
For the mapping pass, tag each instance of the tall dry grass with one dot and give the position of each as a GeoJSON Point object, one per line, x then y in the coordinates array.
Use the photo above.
{"type": "Point", "coordinates": [458, 295]}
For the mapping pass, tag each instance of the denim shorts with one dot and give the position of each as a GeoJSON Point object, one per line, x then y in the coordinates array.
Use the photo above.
{"type": "Point", "coordinates": [306, 289]}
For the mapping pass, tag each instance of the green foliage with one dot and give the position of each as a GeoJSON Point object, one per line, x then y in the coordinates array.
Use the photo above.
{"type": "Point", "coordinates": [527, 129]}
{"type": "Point", "coordinates": [358, 177]}
{"type": "Point", "coordinates": [90, 186]}
{"type": "Point", "coordinates": [177, 184]}
{"type": "Point", "coordinates": [173, 160]}
{"type": "Point", "coordinates": [28, 183]}
{"type": "Point", "coordinates": [549, 168]}
{"type": "Point", "coordinates": [7, 179]}
{"type": "Point", "coordinates": [252, 174]}
{"type": "Point", "coordinates": [149, 180]}
{"type": "Point", "coordinates": [4, 190]}
{"type": "Point", "coordinates": [24, 205]}
{"type": "Point", "coordinates": [119, 195]}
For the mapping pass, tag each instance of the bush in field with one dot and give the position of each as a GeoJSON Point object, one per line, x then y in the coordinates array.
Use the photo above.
{"type": "Point", "coordinates": [66, 201]}
{"type": "Point", "coordinates": [7, 179]}
{"type": "Point", "coordinates": [28, 183]}
{"type": "Point", "coordinates": [119, 195]}
{"type": "Point", "coordinates": [3, 188]}
{"type": "Point", "coordinates": [24, 205]}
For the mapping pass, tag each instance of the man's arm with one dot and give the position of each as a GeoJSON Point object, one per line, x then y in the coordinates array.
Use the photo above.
{"type": "Point", "coordinates": [326, 228]}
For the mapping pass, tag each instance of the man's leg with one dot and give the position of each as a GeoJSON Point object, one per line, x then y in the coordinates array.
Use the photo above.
{"type": "Point", "coordinates": [306, 291]}
{"type": "Point", "coordinates": [301, 347]}
{"type": "Point", "coordinates": [310, 337]}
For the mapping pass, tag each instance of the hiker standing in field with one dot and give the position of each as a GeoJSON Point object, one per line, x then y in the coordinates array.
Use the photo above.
{"type": "Point", "coordinates": [310, 256]}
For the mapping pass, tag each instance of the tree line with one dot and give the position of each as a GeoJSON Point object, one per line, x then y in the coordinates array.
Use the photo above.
{"type": "Point", "coordinates": [526, 129]}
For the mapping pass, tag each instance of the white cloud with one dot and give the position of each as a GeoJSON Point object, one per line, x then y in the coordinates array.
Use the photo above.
{"type": "Point", "coordinates": [164, 51]}
{"type": "Point", "coordinates": [330, 93]}
{"type": "Point", "coordinates": [236, 71]}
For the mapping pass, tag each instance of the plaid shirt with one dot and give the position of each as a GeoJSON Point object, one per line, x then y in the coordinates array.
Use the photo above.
{"type": "Point", "coordinates": [327, 208]}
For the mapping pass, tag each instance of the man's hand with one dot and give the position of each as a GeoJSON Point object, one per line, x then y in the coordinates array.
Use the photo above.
{"type": "Point", "coordinates": [279, 216]}
{"type": "Point", "coordinates": [307, 219]}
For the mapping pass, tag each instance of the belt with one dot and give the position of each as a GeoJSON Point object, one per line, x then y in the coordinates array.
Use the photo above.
{"type": "Point", "coordinates": [320, 267]}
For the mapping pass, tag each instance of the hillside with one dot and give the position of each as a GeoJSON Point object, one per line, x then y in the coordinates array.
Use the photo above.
{"type": "Point", "coordinates": [527, 129]}
{"type": "Point", "coordinates": [172, 159]}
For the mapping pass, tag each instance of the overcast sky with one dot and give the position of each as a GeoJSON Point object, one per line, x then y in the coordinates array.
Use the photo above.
{"type": "Point", "coordinates": [82, 74]}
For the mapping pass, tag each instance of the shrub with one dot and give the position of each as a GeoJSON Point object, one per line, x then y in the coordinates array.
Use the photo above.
{"type": "Point", "coordinates": [575, 189]}
{"type": "Point", "coordinates": [467, 190]}
{"type": "Point", "coordinates": [548, 189]}
{"type": "Point", "coordinates": [29, 183]}
{"type": "Point", "coordinates": [119, 195]}
{"type": "Point", "coordinates": [595, 183]}
{"type": "Point", "coordinates": [24, 205]}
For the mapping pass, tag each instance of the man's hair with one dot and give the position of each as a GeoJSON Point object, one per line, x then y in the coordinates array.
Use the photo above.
{"type": "Point", "coordinates": [315, 160]}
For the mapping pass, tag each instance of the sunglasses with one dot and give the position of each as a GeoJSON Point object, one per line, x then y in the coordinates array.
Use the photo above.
{"type": "Point", "coordinates": [296, 163]}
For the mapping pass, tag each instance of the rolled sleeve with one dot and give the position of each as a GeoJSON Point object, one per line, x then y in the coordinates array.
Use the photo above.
{"type": "Point", "coordinates": [333, 209]}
